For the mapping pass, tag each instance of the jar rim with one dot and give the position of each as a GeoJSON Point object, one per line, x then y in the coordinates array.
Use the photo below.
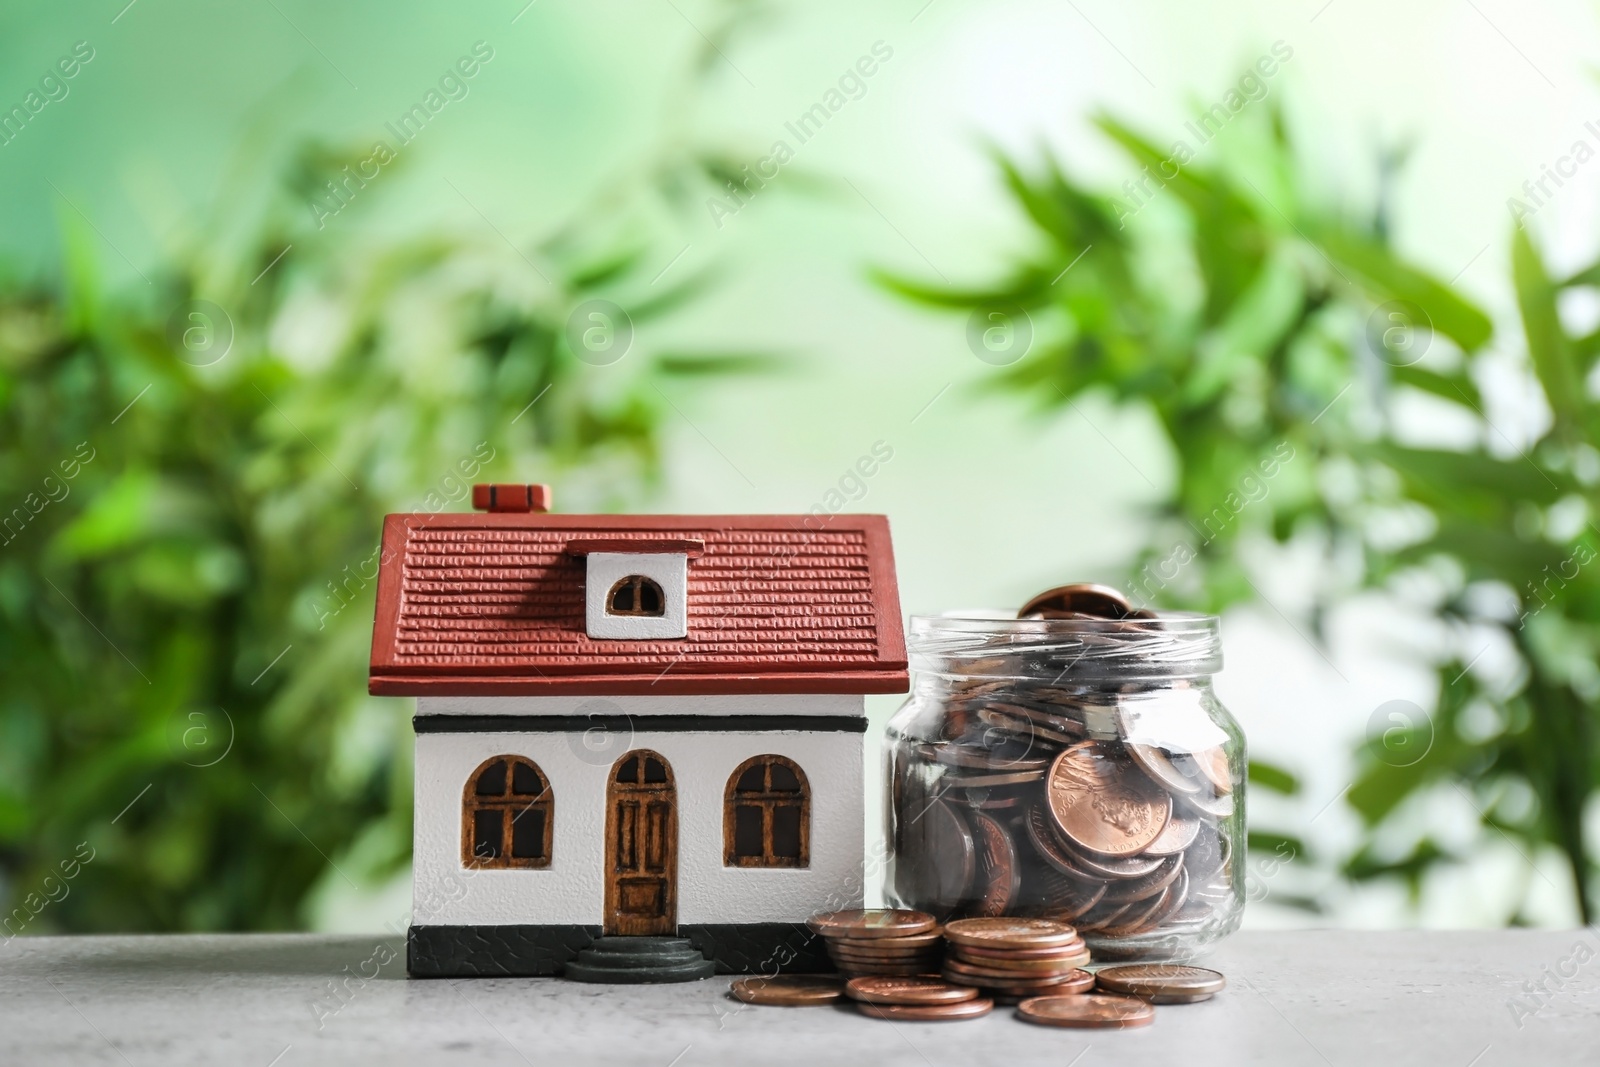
{"type": "Point", "coordinates": [1170, 644]}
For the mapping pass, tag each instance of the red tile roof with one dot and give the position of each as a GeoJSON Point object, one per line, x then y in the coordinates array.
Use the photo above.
{"type": "Point", "coordinates": [494, 604]}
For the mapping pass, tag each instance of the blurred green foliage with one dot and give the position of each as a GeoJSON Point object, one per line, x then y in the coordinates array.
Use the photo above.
{"type": "Point", "coordinates": [1269, 335]}
{"type": "Point", "coordinates": [192, 481]}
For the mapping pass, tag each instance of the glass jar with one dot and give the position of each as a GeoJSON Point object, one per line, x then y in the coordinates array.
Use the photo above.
{"type": "Point", "coordinates": [1077, 769]}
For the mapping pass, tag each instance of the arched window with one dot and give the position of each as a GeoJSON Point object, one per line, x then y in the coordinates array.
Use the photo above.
{"type": "Point", "coordinates": [636, 595]}
{"type": "Point", "coordinates": [507, 812]}
{"type": "Point", "coordinates": [766, 817]}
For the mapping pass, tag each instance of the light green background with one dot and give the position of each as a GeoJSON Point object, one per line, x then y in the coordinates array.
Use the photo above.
{"type": "Point", "coordinates": [989, 500]}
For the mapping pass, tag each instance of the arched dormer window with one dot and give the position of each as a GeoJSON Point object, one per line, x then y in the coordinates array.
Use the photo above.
{"type": "Point", "coordinates": [507, 815]}
{"type": "Point", "coordinates": [636, 595]}
{"type": "Point", "coordinates": [766, 818]}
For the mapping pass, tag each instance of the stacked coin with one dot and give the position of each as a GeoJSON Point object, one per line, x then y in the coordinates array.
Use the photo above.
{"type": "Point", "coordinates": [1016, 957]}
{"type": "Point", "coordinates": [881, 941]}
{"type": "Point", "coordinates": [916, 999]}
{"type": "Point", "coordinates": [1037, 787]}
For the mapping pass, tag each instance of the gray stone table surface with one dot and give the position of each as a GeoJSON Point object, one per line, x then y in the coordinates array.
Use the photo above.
{"type": "Point", "coordinates": [1304, 997]}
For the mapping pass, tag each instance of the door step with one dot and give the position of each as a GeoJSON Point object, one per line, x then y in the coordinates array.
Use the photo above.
{"type": "Point", "coordinates": [633, 960]}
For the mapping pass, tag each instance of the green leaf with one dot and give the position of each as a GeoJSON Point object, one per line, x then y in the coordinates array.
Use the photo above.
{"type": "Point", "coordinates": [1284, 848]}
{"type": "Point", "coordinates": [1488, 553]}
{"type": "Point", "coordinates": [1551, 352]}
{"type": "Point", "coordinates": [1442, 476]}
{"type": "Point", "coordinates": [1270, 776]}
{"type": "Point", "coordinates": [1027, 289]}
{"type": "Point", "coordinates": [708, 364]}
{"type": "Point", "coordinates": [1456, 388]}
{"type": "Point", "coordinates": [1384, 277]}
{"type": "Point", "coordinates": [1367, 864]}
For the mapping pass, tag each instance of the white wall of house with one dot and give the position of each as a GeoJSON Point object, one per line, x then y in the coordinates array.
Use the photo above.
{"type": "Point", "coordinates": [578, 767]}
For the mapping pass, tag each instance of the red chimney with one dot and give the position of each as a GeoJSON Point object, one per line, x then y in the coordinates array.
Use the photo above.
{"type": "Point", "coordinates": [511, 497]}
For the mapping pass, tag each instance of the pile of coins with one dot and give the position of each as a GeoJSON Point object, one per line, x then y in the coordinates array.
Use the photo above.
{"type": "Point", "coordinates": [1014, 958]}
{"type": "Point", "coordinates": [1118, 997]}
{"type": "Point", "coordinates": [881, 942]}
{"type": "Point", "coordinates": [1032, 963]}
{"type": "Point", "coordinates": [1034, 787]}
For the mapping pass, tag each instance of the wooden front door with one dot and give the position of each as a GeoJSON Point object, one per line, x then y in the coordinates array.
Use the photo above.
{"type": "Point", "coordinates": [641, 846]}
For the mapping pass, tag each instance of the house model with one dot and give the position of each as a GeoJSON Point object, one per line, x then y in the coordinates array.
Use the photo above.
{"type": "Point", "coordinates": [633, 725]}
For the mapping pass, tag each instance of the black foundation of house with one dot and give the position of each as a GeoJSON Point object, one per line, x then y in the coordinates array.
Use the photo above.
{"type": "Point", "coordinates": [531, 951]}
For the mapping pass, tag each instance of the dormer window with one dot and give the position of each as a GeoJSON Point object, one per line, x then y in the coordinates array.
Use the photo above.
{"type": "Point", "coordinates": [636, 595]}
{"type": "Point", "coordinates": [636, 589]}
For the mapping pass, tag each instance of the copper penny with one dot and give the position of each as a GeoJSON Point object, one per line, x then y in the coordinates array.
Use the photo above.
{"type": "Point", "coordinates": [1013, 986]}
{"type": "Point", "coordinates": [1172, 774]}
{"type": "Point", "coordinates": [989, 781]}
{"type": "Point", "coordinates": [886, 969]}
{"type": "Point", "coordinates": [1072, 984]}
{"type": "Point", "coordinates": [1102, 915]}
{"type": "Point", "coordinates": [1006, 974]}
{"type": "Point", "coordinates": [1106, 868]}
{"type": "Point", "coordinates": [1148, 886]}
{"type": "Point", "coordinates": [1049, 894]}
{"type": "Point", "coordinates": [907, 991]}
{"type": "Point", "coordinates": [1020, 969]}
{"type": "Point", "coordinates": [1069, 984]}
{"type": "Point", "coordinates": [1029, 730]}
{"type": "Point", "coordinates": [888, 952]}
{"type": "Point", "coordinates": [1177, 897]}
{"type": "Point", "coordinates": [938, 860]}
{"type": "Point", "coordinates": [997, 880]}
{"type": "Point", "coordinates": [1002, 932]}
{"type": "Point", "coordinates": [984, 800]}
{"type": "Point", "coordinates": [1023, 992]}
{"type": "Point", "coordinates": [1042, 835]}
{"type": "Point", "coordinates": [1151, 980]}
{"type": "Point", "coordinates": [1141, 915]}
{"type": "Point", "coordinates": [1034, 725]}
{"type": "Point", "coordinates": [988, 759]}
{"type": "Point", "coordinates": [872, 922]}
{"type": "Point", "coordinates": [978, 953]}
{"type": "Point", "coordinates": [1079, 598]}
{"type": "Point", "coordinates": [902, 964]}
{"type": "Point", "coordinates": [1177, 835]}
{"type": "Point", "coordinates": [1217, 807]}
{"type": "Point", "coordinates": [931, 937]}
{"type": "Point", "coordinates": [1102, 803]}
{"type": "Point", "coordinates": [1015, 957]}
{"type": "Point", "coordinates": [1213, 764]}
{"type": "Point", "coordinates": [927, 1013]}
{"type": "Point", "coordinates": [1093, 1011]}
{"type": "Point", "coordinates": [1207, 855]}
{"type": "Point", "coordinates": [788, 990]}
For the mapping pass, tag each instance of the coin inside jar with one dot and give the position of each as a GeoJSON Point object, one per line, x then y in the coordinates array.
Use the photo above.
{"type": "Point", "coordinates": [907, 990]}
{"type": "Point", "coordinates": [1079, 598]}
{"type": "Point", "coordinates": [942, 857]}
{"type": "Point", "coordinates": [997, 866]}
{"type": "Point", "coordinates": [788, 990]}
{"type": "Point", "coordinates": [1094, 1011]}
{"type": "Point", "coordinates": [1175, 837]}
{"type": "Point", "coordinates": [1103, 803]}
{"type": "Point", "coordinates": [1162, 983]}
{"type": "Point", "coordinates": [1086, 763]}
